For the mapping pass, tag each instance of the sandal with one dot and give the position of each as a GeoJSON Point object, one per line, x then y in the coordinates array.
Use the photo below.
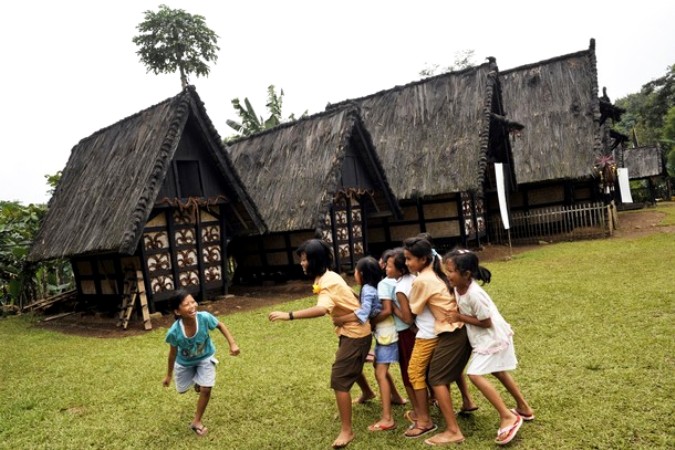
{"type": "Point", "coordinates": [419, 431]}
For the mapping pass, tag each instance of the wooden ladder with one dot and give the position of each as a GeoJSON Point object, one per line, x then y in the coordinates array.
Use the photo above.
{"type": "Point", "coordinates": [134, 289]}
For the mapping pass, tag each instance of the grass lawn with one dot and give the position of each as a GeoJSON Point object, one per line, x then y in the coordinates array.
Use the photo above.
{"type": "Point", "coordinates": [594, 336]}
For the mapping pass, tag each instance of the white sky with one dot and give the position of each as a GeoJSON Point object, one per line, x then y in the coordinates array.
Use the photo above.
{"type": "Point", "coordinates": [69, 67]}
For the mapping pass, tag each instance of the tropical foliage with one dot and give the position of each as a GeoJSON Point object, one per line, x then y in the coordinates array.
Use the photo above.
{"type": "Point", "coordinates": [22, 281]}
{"type": "Point", "coordinates": [650, 116]}
{"type": "Point", "coordinates": [250, 122]}
{"type": "Point", "coordinates": [172, 39]}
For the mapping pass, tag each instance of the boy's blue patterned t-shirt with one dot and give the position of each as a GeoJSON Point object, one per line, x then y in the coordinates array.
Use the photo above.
{"type": "Point", "coordinates": [193, 349]}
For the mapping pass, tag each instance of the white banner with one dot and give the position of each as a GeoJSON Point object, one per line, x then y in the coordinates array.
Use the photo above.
{"type": "Point", "coordinates": [624, 185]}
{"type": "Point", "coordinates": [501, 194]}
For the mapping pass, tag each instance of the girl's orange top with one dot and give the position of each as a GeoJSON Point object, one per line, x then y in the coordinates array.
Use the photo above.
{"type": "Point", "coordinates": [428, 289]}
{"type": "Point", "coordinates": [339, 299]}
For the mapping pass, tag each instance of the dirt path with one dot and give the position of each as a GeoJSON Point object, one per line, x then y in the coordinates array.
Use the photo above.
{"type": "Point", "coordinates": [245, 298]}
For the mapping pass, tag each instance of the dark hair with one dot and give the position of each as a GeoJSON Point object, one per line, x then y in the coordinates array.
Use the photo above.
{"type": "Point", "coordinates": [399, 260]}
{"type": "Point", "coordinates": [370, 270]}
{"type": "Point", "coordinates": [386, 255]}
{"type": "Point", "coordinates": [467, 261]}
{"type": "Point", "coordinates": [319, 256]}
{"type": "Point", "coordinates": [177, 299]}
{"type": "Point", "coordinates": [426, 236]}
{"type": "Point", "coordinates": [421, 248]}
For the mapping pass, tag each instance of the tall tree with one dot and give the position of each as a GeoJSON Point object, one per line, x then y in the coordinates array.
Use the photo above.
{"type": "Point", "coordinates": [250, 122]}
{"type": "Point", "coordinates": [172, 39]}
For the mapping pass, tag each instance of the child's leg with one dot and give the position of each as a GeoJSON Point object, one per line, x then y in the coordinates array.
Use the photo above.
{"type": "Point", "coordinates": [366, 391]}
{"type": "Point", "coordinates": [396, 398]}
{"type": "Point", "coordinates": [506, 417]}
{"type": "Point", "coordinates": [381, 374]}
{"type": "Point", "coordinates": [344, 404]}
{"type": "Point", "coordinates": [510, 384]}
{"type": "Point", "coordinates": [452, 433]}
{"type": "Point", "coordinates": [467, 402]}
{"type": "Point", "coordinates": [202, 402]}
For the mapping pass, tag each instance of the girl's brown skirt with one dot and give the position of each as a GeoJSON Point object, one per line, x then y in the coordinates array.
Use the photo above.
{"type": "Point", "coordinates": [450, 357]}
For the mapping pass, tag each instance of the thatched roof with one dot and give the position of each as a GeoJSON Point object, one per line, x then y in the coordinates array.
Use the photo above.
{"type": "Point", "coordinates": [557, 102]}
{"type": "Point", "coordinates": [432, 135]}
{"type": "Point", "coordinates": [110, 183]}
{"type": "Point", "coordinates": [294, 170]}
{"type": "Point", "coordinates": [643, 162]}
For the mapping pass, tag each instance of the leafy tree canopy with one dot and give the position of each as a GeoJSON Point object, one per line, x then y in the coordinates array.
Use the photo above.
{"type": "Point", "coordinates": [172, 39]}
{"type": "Point", "coordinates": [650, 115]}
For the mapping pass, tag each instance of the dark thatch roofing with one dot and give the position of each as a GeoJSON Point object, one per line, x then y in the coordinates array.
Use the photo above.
{"type": "Point", "coordinates": [643, 162]}
{"type": "Point", "coordinates": [432, 135]}
{"type": "Point", "coordinates": [110, 183]}
{"type": "Point", "coordinates": [557, 102]}
{"type": "Point", "coordinates": [293, 171]}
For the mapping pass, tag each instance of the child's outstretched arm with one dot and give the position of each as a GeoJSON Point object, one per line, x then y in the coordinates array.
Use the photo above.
{"type": "Point", "coordinates": [169, 370]}
{"type": "Point", "coordinates": [307, 313]}
{"type": "Point", "coordinates": [234, 348]}
{"type": "Point", "coordinates": [471, 320]}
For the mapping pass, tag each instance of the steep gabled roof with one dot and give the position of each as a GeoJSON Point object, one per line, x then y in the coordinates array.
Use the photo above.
{"type": "Point", "coordinates": [432, 135]}
{"type": "Point", "coordinates": [557, 102]}
{"type": "Point", "coordinates": [112, 178]}
{"type": "Point", "coordinates": [643, 162]}
{"type": "Point", "coordinates": [293, 171]}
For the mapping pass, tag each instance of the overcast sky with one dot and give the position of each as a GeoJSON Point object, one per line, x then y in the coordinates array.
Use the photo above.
{"type": "Point", "coordinates": [70, 68]}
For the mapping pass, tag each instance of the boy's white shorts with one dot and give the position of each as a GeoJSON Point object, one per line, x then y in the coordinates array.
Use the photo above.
{"type": "Point", "coordinates": [203, 374]}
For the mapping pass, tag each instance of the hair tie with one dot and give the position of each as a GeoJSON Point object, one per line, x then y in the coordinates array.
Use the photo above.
{"type": "Point", "coordinates": [435, 253]}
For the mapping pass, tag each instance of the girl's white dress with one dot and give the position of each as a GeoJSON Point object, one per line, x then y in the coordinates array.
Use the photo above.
{"type": "Point", "coordinates": [492, 348]}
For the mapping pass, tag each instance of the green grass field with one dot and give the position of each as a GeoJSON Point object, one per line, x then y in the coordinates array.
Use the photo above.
{"type": "Point", "coordinates": [594, 336]}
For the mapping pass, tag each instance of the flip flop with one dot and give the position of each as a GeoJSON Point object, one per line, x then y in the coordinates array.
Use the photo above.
{"type": "Point", "coordinates": [525, 417]}
{"type": "Point", "coordinates": [408, 416]}
{"type": "Point", "coordinates": [199, 431]}
{"type": "Point", "coordinates": [422, 430]}
{"type": "Point", "coordinates": [511, 431]}
{"type": "Point", "coordinates": [379, 427]}
{"type": "Point", "coordinates": [467, 412]}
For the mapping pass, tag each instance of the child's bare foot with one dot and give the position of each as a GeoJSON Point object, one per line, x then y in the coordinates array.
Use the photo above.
{"type": "Point", "coordinates": [343, 439]}
{"type": "Point", "coordinates": [445, 438]}
{"type": "Point", "coordinates": [364, 398]}
{"type": "Point", "coordinates": [199, 429]}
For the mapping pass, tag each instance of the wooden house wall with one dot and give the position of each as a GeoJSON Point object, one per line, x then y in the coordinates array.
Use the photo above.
{"type": "Point", "coordinates": [443, 218]}
{"type": "Point", "coordinates": [100, 278]}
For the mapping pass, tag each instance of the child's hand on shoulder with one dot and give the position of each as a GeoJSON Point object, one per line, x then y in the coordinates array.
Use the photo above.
{"type": "Point", "coordinates": [234, 350]}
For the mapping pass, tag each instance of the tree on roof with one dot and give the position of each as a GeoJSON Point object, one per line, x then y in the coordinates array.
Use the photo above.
{"type": "Point", "coordinates": [172, 39]}
{"type": "Point", "coordinates": [251, 122]}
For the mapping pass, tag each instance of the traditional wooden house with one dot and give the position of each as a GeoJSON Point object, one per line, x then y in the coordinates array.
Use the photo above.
{"type": "Point", "coordinates": [154, 193]}
{"type": "Point", "coordinates": [565, 132]}
{"type": "Point", "coordinates": [437, 138]}
{"type": "Point", "coordinates": [317, 174]}
{"type": "Point", "coordinates": [644, 164]}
